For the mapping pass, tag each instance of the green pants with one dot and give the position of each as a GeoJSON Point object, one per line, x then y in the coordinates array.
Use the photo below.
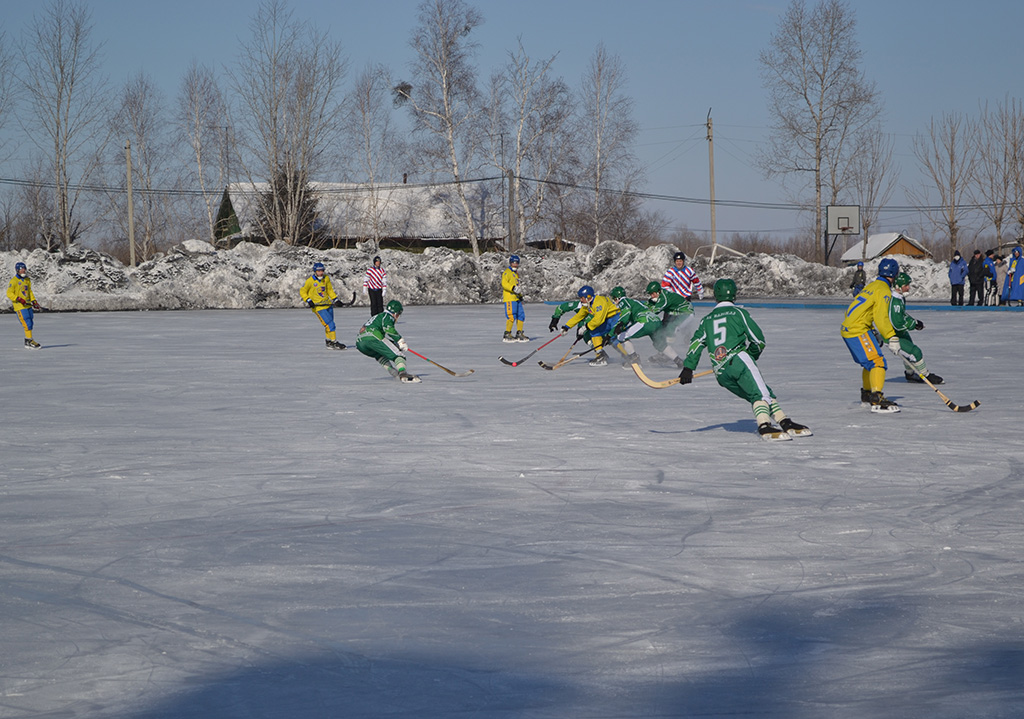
{"type": "Point", "coordinates": [379, 350]}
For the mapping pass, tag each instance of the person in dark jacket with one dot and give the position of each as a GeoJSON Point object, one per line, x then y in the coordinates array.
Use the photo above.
{"type": "Point", "coordinates": [957, 275]}
{"type": "Point", "coordinates": [976, 278]}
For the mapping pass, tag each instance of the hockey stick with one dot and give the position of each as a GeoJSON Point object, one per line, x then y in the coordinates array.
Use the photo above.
{"type": "Point", "coordinates": [949, 403]}
{"type": "Point", "coordinates": [662, 384]}
{"type": "Point", "coordinates": [562, 362]}
{"type": "Point", "coordinates": [545, 365]}
{"type": "Point", "coordinates": [453, 374]}
{"type": "Point", "coordinates": [519, 362]}
{"type": "Point", "coordinates": [348, 304]}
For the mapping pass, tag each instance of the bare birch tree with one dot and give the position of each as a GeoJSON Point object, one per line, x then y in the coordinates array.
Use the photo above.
{"type": "Point", "coordinates": [140, 119]}
{"type": "Point", "coordinates": [948, 156]}
{"type": "Point", "coordinates": [533, 111]}
{"type": "Point", "coordinates": [287, 81]}
{"type": "Point", "coordinates": [68, 104]}
{"type": "Point", "coordinates": [444, 100]}
{"type": "Point", "coordinates": [818, 98]}
{"type": "Point", "coordinates": [606, 131]}
{"type": "Point", "coordinates": [202, 120]}
{"type": "Point", "coordinates": [376, 147]}
{"type": "Point", "coordinates": [874, 177]}
{"type": "Point", "coordinates": [997, 181]}
{"type": "Point", "coordinates": [8, 66]}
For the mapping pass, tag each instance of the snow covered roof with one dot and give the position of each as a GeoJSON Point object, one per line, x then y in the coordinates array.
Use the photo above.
{"type": "Point", "coordinates": [350, 209]}
{"type": "Point", "coordinates": [885, 243]}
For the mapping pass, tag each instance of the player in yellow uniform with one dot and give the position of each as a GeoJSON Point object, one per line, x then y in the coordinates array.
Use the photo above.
{"type": "Point", "coordinates": [870, 308]}
{"type": "Point", "coordinates": [19, 292]}
{"type": "Point", "coordinates": [601, 315]}
{"type": "Point", "coordinates": [318, 293]}
{"type": "Point", "coordinates": [513, 299]}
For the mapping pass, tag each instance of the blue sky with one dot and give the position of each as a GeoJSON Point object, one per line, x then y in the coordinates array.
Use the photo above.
{"type": "Point", "coordinates": [682, 58]}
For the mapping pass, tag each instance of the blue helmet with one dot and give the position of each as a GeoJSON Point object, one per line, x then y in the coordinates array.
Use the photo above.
{"type": "Point", "coordinates": [318, 266]}
{"type": "Point", "coordinates": [19, 266]}
{"type": "Point", "coordinates": [513, 259]}
{"type": "Point", "coordinates": [888, 268]}
{"type": "Point", "coordinates": [860, 264]}
{"type": "Point", "coordinates": [586, 292]}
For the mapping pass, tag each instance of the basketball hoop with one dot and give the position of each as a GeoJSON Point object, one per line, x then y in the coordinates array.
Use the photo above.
{"type": "Point", "coordinates": [845, 230]}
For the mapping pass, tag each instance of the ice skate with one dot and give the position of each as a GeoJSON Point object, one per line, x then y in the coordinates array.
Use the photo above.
{"type": "Point", "coordinates": [882, 404]}
{"type": "Point", "coordinates": [334, 345]}
{"type": "Point", "coordinates": [770, 433]}
{"type": "Point", "coordinates": [520, 337]}
{"type": "Point", "coordinates": [600, 360]}
{"type": "Point", "coordinates": [508, 337]}
{"type": "Point", "coordinates": [794, 429]}
{"type": "Point", "coordinates": [865, 397]}
{"type": "Point", "coordinates": [630, 360]}
{"type": "Point", "coordinates": [660, 360]}
{"type": "Point", "coordinates": [406, 377]}
{"type": "Point", "coordinates": [32, 344]}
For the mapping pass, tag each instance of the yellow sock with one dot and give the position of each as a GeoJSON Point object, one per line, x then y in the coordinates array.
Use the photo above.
{"type": "Point", "coordinates": [877, 377]}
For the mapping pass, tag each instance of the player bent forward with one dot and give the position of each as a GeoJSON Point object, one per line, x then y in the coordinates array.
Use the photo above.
{"type": "Point", "coordinates": [734, 342]}
{"type": "Point", "coordinates": [379, 339]}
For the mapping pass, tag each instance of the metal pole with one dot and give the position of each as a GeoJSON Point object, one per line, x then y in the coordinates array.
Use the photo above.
{"type": "Point", "coordinates": [711, 175]}
{"type": "Point", "coordinates": [131, 206]}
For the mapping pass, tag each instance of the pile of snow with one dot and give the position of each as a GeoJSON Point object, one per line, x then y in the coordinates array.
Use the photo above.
{"type": "Point", "coordinates": [195, 275]}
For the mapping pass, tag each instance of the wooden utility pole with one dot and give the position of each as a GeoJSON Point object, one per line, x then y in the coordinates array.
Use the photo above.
{"type": "Point", "coordinates": [131, 206]}
{"type": "Point", "coordinates": [711, 175]}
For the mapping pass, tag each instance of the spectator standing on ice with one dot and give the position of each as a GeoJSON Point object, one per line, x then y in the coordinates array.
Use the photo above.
{"type": "Point", "coordinates": [957, 275]}
{"type": "Point", "coordinates": [375, 286]}
{"type": "Point", "coordinates": [976, 279]}
{"type": "Point", "coordinates": [734, 342]}
{"type": "Point", "coordinates": [1001, 280]}
{"type": "Point", "coordinates": [870, 308]}
{"type": "Point", "coordinates": [991, 296]}
{"type": "Point", "coordinates": [1015, 278]}
{"type": "Point", "coordinates": [860, 279]}
{"type": "Point", "coordinates": [19, 292]}
{"type": "Point", "coordinates": [681, 279]}
{"type": "Point", "coordinates": [319, 295]}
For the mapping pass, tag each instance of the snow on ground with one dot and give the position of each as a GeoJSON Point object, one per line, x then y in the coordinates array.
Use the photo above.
{"type": "Point", "coordinates": [194, 275]}
{"type": "Point", "coordinates": [207, 514]}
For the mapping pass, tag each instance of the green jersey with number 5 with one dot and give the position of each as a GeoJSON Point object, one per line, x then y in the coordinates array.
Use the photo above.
{"type": "Point", "coordinates": [726, 331]}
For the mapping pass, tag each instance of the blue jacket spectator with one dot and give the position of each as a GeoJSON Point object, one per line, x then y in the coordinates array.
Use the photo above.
{"type": "Point", "coordinates": [957, 275]}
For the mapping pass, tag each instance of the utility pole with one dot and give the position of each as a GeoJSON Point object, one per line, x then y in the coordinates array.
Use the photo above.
{"type": "Point", "coordinates": [711, 175]}
{"type": "Point", "coordinates": [131, 206]}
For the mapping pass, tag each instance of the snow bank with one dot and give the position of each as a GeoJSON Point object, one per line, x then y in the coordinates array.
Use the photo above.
{"type": "Point", "coordinates": [195, 275]}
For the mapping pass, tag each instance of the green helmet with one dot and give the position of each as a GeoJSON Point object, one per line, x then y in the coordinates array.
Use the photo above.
{"type": "Point", "coordinates": [901, 279]}
{"type": "Point", "coordinates": [394, 307]}
{"type": "Point", "coordinates": [725, 290]}
{"type": "Point", "coordinates": [618, 293]}
{"type": "Point", "coordinates": [653, 286]}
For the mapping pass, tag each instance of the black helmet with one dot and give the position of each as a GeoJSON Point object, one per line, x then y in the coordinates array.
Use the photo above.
{"type": "Point", "coordinates": [679, 256]}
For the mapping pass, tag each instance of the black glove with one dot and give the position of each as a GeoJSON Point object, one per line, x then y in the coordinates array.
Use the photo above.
{"type": "Point", "coordinates": [338, 303]}
{"type": "Point", "coordinates": [565, 328]}
{"type": "Point", "coordinates": [686, 376]}
{"type": "Point", "coordinates": [554, 324]}
{"type": "Point", "coordinates": [311, 303]}
{"type": "Point", "coordinates": [919, 325]}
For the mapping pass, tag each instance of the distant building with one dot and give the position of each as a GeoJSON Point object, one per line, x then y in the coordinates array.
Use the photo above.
{"type": "Point", "coordinates": [885, 243]}
{"type": "Point", "coordinates": [403, 216]}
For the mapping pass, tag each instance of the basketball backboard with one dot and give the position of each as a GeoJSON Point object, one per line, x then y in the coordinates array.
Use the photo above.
{"type": "Point", "coordinates": [842, 219]}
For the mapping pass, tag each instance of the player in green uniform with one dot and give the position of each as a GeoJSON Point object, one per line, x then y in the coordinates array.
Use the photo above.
{"type": "Point", "coordinates": [734, 342]}
{"type": "Point", "coordinates": [379, 339]}
{"type": "Point", "coordinates": [912, 356]}
{"type": "Point", "coordinates": [675, 310]}
{"type": "Point", "coordinates": [637, 320]}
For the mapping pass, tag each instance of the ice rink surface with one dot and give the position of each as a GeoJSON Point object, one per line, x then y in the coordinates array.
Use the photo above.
{"type": "Point", "coordinates": [208, 514]}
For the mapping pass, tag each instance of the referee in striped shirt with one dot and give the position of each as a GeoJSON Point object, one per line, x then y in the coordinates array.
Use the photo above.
{"type": "Point", "coordinates": [375, 286]}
